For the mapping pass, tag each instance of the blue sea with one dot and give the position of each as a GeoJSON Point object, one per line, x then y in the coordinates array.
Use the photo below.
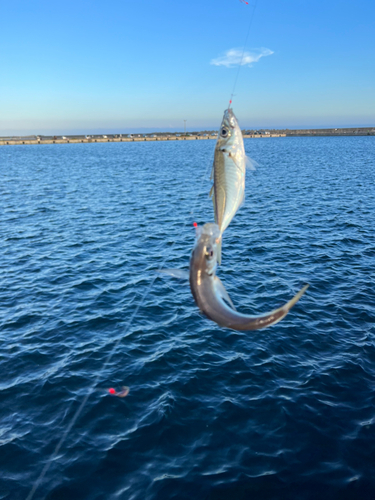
{"type": "Point", "coordinates": [212, 414]}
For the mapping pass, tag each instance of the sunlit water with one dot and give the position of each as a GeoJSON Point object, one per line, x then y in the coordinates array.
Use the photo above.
{"type": "Point", "coordinates": [284, 413]}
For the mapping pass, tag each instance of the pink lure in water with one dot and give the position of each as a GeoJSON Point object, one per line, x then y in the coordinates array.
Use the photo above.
{"type": "Point", "coordinates": [121, 394]}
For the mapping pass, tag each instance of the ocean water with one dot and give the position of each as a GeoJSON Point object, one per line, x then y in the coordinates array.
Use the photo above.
{"type": "Point", "coordinates": [283, 413]}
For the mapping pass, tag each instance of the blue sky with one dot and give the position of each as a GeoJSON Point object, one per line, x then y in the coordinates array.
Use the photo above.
{"type": "Point", "coordinates": [89, 66]}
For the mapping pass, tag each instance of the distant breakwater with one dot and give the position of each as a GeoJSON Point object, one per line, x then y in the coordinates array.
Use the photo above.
{"type": "Point", "coordinates": [10, 142]}
{"type": "Point", "coordinates": [96, 139]}
{"type": "Point", "coordinates": [247, 134]}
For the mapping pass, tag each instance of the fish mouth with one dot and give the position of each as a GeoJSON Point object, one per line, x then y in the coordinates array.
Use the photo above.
{"type": "Point", "coordinates": [211, 230]}
{"type": "Point", "coordinates": [229, 118]}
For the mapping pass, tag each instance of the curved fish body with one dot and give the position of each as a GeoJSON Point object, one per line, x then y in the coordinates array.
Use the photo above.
{"type": "Point", "coordinates": [228, 173]}
{"type": "Point", "coordinates": [209, 292]}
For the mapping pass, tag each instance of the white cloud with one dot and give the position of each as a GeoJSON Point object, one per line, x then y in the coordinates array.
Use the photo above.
{"type": "Point", "coordinates": [235, 57]}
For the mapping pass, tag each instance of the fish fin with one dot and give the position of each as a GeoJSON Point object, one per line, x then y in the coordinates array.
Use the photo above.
{"type": "Point", "coordinates": [212, 192]}
{"type": "Point", "coordinates": [212, 172]}
{"type": "Point", "coordinates": [231, 157]}
{"type": "Point", "coordinates": [242, 201]}
{"type": "Point", "coordinates": [218, 247]}
{"type": "Point", "coordinates": [175, 273]}
{"type": "Point", "coordinates": [250, 163]}
{"type": "Point", "coordinates": [222, 292]}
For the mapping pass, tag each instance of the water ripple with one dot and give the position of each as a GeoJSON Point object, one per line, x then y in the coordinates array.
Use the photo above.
{"type": "Point", "coordinates": [212, 414]}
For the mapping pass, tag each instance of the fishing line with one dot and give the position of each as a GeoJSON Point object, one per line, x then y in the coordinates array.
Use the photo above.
{"type": "Point", "coordinates": [140, 303]}
{"type": "Point", "coordinates": [111, 353]}
{"type": "Point", "coordinates": [243, 53]}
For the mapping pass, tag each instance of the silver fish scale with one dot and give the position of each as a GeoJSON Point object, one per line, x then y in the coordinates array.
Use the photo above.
{"type": "Point", "coordinates": [229, 188]}
{"type": "Point", "coordinates": [228, 173]}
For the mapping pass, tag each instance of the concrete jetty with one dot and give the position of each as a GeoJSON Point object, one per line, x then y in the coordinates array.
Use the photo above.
{"type": "Point", "coordinates": [195, 136]}
{"type": "Point", "coordinates": [95, 140]}
{"type": "Point", "coordinates": [21, 141]}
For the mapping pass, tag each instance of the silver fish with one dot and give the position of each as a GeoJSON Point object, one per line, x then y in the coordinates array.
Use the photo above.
{"type": "Point", "coordinates": [209, 293]}
{"type": "Point", "coordinates": [228, 173]}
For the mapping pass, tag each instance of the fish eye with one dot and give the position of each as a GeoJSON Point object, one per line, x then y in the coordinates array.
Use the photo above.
{"type": "Point", "coordinates": [209, 253]}
{"type": "Point", "coordinates": [224, 132]}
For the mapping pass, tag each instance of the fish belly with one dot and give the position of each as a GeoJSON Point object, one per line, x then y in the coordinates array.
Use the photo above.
{"type": "Point", "coordinates": [229, 188]}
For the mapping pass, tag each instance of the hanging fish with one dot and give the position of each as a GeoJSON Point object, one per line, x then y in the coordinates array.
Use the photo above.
{"type": "Point", "coordinates": [210, 295]}
{"type": "Point", "coordinates": [228, 173]}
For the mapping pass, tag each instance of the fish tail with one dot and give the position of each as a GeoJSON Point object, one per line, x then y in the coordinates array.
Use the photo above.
{"type": "Point", "coordinates": [288, 306]}
{"type": "Point", "coordinates": [259, 322]}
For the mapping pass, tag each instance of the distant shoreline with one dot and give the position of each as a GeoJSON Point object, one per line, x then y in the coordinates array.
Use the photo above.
{"type": "Point", "coordinates": [247, 134]}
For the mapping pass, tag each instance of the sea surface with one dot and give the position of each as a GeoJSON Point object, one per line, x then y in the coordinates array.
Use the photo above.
{"type": "Point", "coordinates": [283, 413]}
